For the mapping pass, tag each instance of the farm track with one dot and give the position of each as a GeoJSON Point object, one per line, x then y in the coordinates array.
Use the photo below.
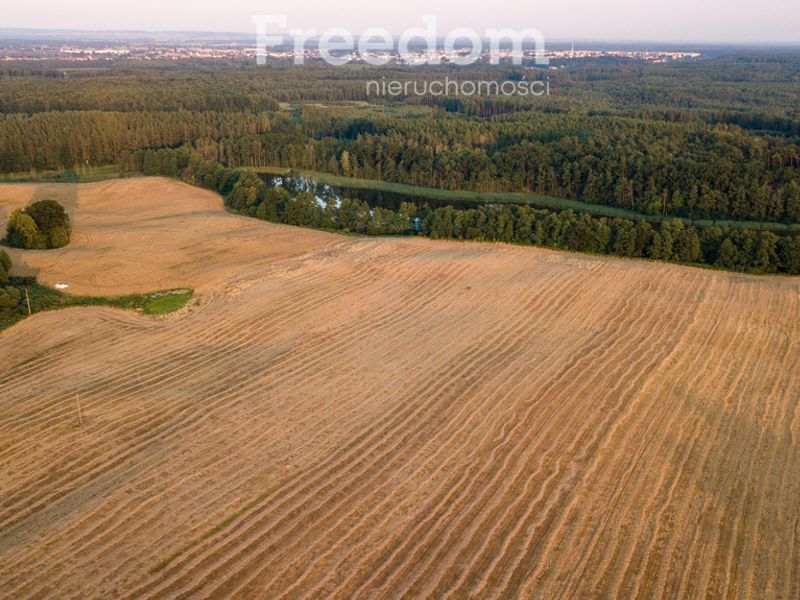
{"type": "Point", "coordinates": [399, 418]}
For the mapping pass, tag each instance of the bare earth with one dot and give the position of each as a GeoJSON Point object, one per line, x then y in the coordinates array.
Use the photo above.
{"type": "Point", "coordinates": [141, 235]}
{"type": "Point", "coordinates": [386, 418]}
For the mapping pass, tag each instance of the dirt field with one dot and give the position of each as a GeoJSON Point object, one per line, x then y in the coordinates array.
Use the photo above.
{"type": "Point", "coordinates": [140, 235]}
{"type": "Point", "coordinates": [387, 418]}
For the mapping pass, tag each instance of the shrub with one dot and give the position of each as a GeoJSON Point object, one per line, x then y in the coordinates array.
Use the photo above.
{"type": "Point", "coordinates": [9, 295]}
{"type": "Point", "coordinates": [49, 215]}
{"type": "Point", "coordinates": [9, 298]}
{"type": "Point", "coordinates": [59, 237]}
{"type": "Point", "coordinates": [22, 232]}
{"type": "Point", "coordinates": [43, 224]}
{"type": "Point", "coordinates": [5, 266]}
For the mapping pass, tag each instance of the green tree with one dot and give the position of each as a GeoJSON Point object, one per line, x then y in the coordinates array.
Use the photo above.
{"type": "Point", "coordinates": [304, 211]}
{"type": "Point", "coordinates": [686, 246]}
{"type": "Point", "coordinates": [353, 215]}
{"type": "Point", "coordinates": [5, 266]}
{"type": "Point", "coordinates": [789, 250]}
{"type": "Point", "coordinates": [59, 237]}
{"type": "Point", "coordinates": [729, 256]}
{"type": "Point", "coordinates": [9, 297]}
{"type": "Point", "coordinates": [50, 215]}
{"type": "Point", "coordinates": [22, 232]}
{"type": "Point", "coordinates": [43, 224]}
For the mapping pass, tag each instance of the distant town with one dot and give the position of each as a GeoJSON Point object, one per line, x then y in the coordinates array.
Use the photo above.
{"type": "Point", "coordinates": [34, 50]}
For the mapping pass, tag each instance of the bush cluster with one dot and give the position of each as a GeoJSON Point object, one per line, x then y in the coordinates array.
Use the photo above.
{"type": "Point", "coordinates": [42, 225]}
{"type": "Point", "coordinates": [10, 296]}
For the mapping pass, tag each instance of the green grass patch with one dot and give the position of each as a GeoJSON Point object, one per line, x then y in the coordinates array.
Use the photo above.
{"type": "Point", "coordinates": [167, 303]}
{"type": "Point", "coordinates": [79, 175]}
{"type": "Point", "coordinates": [44, 298]}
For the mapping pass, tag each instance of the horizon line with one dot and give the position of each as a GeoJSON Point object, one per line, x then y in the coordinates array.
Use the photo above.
{"type": "Point", "coordinates": [608, 40]}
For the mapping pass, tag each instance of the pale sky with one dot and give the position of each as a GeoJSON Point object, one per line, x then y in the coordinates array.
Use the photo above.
{"type": "Point", "coordinates": [664, 20]}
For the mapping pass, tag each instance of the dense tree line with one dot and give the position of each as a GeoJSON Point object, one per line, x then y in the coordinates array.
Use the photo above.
{"type": "Point", "coordinates": [660, 168]}
{"type": "Point", "coordinates": [138, 87]}
{"type": "Point", "coordinates": [672, 240]}
{"type": "Point", "coordinates": [714, 139]}
{"type": "Point", "coordinates": [55, 140]}
{"type": "Point", "coordinates": [696, 171]}
{"type": "Point", "coordinates": [763, 85]}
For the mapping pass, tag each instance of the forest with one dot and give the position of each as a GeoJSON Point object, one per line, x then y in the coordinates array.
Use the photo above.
{"type": "Point", "coordinates": [738, 249]}
{"type": "Point", "coordinates": [715, 139]}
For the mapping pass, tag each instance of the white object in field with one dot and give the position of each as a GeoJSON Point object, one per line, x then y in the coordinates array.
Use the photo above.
{"type": "Point", "coordinates": [62, 286]}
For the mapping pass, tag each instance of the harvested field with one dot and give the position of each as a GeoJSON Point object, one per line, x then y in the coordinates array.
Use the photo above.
{"type": "Point", "coordinates": [144, 234]}
{"type": "Point", "coordinates": [386, 418]}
